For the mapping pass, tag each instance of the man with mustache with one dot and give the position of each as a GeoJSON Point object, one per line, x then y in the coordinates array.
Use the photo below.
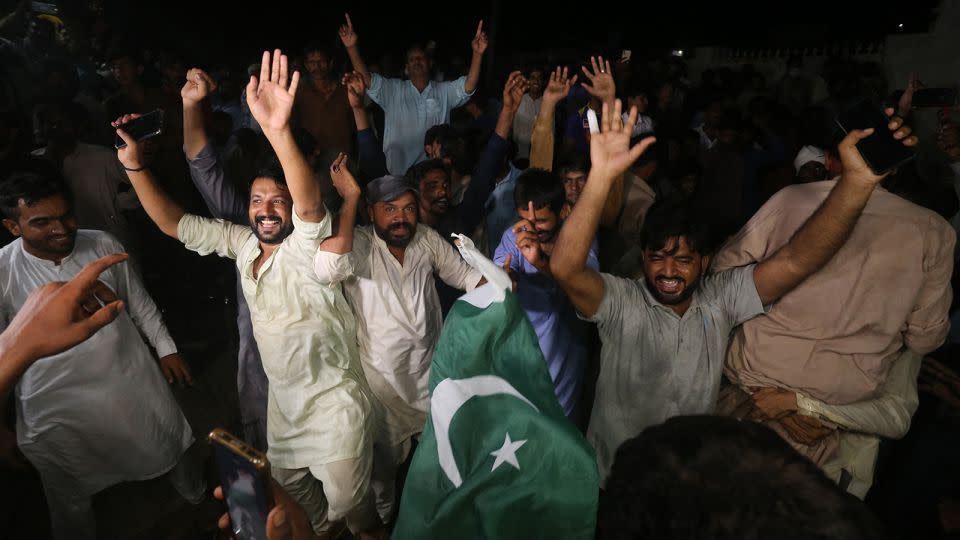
{"type": "Point", "coordinates": [413, 105]}
{"type": "Point", "coordinates": [525, 249]}
{"type": "Point", "coordinates": [664, 336]}
{"type": "Point", "coordinates": [388, 276]}
{"type": "Point", "coordinates": [321, 419]}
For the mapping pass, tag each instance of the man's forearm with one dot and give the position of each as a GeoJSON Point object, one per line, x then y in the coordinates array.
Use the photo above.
{"type": "Point", "coordinates": [541, 139]}
{"type": "Point", "coordinates": [505, 123]}
{"type": "Point", "coordinates": [342, 240]}
{"type": "Point", "coordinates": [303, 185]}
{"type": "Point", "coordinates": [194, 133]}
{"type": "Point", "coordinates": [473, 76]}
{"type": "Point", "coordinates": [13, 364]}
{"type": "Point", "coordinates": [358, 64]}
{"type": "Point", "coordinates": [163, 210]}
{"type": "Point", "coordinates": [360, 118]}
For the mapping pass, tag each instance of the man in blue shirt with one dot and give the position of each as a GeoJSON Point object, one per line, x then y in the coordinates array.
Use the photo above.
{"type": "Point", "coordinates": [414, 105]}
{"type": "Point", "coordinates": [525, 249]}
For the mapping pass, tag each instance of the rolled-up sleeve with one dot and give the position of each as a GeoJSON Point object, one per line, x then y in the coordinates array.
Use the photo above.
{"type": "Point", "coordinates": [206, 236]}
{"type": "Point", "coordinates": [928, 323]}
{"type": "Point", "coordinates": [456, 92]}
{"type": "Point", "coordinates": [307, 235]}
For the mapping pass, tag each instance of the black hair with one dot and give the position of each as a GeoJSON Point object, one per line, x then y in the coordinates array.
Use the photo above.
{"type": "Point", "coordinates": [439, 132]}
{"type": "Point", "coordinates": [720, 477]}
{"type": "Point", "coordinates": [674, 218]}
{"type": "Point", "coordinates": [31, 185]}
{"type": "Point", "coordinates": [268, 166]}
{"type": "Point", "coordinates": [542, 187]}
{"type": "Point", "coordinates": [317, 46]}
{"type": "Point", "coordinates": [573, 162]}
{"type": "Point", "coordinates": [417, 172]}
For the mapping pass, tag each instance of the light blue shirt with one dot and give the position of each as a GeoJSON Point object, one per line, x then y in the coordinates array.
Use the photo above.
{"type": "Point", "coordinates": [409, 113]}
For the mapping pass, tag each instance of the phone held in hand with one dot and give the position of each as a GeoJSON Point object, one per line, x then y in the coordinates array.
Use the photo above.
{"type": "Point", "coordinates": [245, 479]}
{"type": "Point", "coordinates": [881, 151]}
{"type": "Point", "coordinates": [148, 125]}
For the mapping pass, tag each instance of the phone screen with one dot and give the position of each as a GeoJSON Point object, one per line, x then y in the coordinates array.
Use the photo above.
{"type": "Point", "coordinates": [146, 126]}
{"type": "Point", "coordinates": [245, 489]}
{"type": "Point", "coordinates": [880, 150]}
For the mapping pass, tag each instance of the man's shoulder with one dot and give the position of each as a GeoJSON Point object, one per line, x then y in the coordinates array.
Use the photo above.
{"type": "Point", "coordinates": [101, 242]}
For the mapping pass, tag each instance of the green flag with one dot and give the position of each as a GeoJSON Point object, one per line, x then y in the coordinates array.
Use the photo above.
{"type": "Point", "coordinates": [498, 459]}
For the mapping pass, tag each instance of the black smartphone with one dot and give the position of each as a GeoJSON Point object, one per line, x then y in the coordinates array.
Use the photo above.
{"type": "Point", "coordinates": [880, 151]}
{"type": "Point", "coordinates": [245, 479]}
{"type": "Point", "coordinates": [148, 125]}
{"type": "Point", "coordinates": [44, 8]}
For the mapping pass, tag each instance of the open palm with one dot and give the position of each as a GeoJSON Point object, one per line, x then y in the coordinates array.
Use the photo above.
{"type": "Point", "coordinates": [270, 98]}
{"type": "Point", "coordinates": [610, 152]}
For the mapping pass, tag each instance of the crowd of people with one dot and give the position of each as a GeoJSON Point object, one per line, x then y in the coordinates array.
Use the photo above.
{"type": "Point", "coordinates": [686, 254]}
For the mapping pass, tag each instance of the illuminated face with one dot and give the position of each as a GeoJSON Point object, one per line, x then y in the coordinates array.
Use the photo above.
{"type": "Point", "coordinates": [48, 227]}
{"type": "Point", "coordinates": [673, 272]}
{"type": "Point", "coordinates": [270, 211]}
{"type": "Point", "coordinates": [395, 222]}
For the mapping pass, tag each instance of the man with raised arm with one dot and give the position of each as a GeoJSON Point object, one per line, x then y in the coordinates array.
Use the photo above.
{"type": "Point", "coordinates": [416, 104]}
{"type": "Point", "coordinates": [388, 270]}
{"type": "Point", "coordinates": [320, 418]}
{"type": "Point", "coordinates": [664, 336]}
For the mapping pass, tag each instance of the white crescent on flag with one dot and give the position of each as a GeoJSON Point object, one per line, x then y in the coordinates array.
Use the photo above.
{"type": "Point", "coordinates": [447, 398]}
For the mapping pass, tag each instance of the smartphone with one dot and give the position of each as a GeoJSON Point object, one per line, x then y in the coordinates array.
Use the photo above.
{"type": "Point", "coordinates": [245, 479]}
{"type": "Point", "coordinates": [880, 151]}
{"type": "Point", "coordinates": [148, 125]}
{"type": "Point", "coordinates": [625, 55]}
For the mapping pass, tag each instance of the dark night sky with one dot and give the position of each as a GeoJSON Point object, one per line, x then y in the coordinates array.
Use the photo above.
{"type": "Point", "coordinates": [240, 28]}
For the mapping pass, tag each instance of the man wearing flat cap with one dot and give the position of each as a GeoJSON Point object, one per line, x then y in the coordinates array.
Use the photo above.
{"type": "Point", "coordinates": [388, 278]}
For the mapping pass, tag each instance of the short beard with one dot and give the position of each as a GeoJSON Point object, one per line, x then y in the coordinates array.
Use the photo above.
{"type": "Point", "coordinates": [276, 238]}
{"type": "Point", "coordinates": [384, 235]}
{"type": "Point", "coordinates": [674, 300]}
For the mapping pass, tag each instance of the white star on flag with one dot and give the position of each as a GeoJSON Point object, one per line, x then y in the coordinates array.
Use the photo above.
{"type": "Point", "coordinates": [507, 453]}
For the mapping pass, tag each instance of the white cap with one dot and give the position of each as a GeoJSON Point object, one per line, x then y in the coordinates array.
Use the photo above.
{"type": "Point", "coordinates": [807, 154]}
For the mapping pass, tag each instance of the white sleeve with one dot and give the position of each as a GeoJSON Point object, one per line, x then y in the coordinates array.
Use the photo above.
{"type": "Point", "coordinates": [888, 415]}
{"type": "Point", "coordinates": [141, 308]}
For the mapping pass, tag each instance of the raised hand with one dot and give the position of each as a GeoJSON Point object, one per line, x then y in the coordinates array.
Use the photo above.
{"type": "Point", "coordinates": [558, 86]}
{"type": "Point", "coordinates": [513, 91]}
{"type": "Point", "coordinates": [528, 242]}
{"type": "Point", "coordinates": [343, 180]}
{"type": "Point", "coordinates": [347, 34]}
{"type": "Point", "coordinates": [479, 43]}
{"type": "Point", "coordinates": [601, 85]}
{"type": "Point", "coordinates": [131, 155]}
{"type": "Point", "coordinates": [610, 152]}
{"type": "Point", "coordinates": [356, 87]}
{"type": "Point", "coordinates": [198, 86]}
{"type": "Point", "coordinates": [854, 167]}
{"type": "Point", "coordinates": [270, 98]}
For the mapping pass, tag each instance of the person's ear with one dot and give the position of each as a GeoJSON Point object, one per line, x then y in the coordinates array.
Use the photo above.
{"type": "Point", "coordinates": [704, 263]}
{"type": "Point", "coordinates": [370, 213]}
{"type": "Point", "coordinates": [12, 226]}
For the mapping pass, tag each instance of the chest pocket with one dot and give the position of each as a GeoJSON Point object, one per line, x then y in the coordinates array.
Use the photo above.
{"type": "Point", "coordinates": [434, 110]}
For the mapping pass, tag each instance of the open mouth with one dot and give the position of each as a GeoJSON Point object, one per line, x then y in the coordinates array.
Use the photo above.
{"type": "Point", "coordinates": [670, 285]}
{"type": "Point", "coordinates": [269, 225]}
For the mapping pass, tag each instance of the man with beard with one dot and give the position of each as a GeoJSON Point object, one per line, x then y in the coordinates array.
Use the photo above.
{"type": "Point", "coordinates": [412, 106]}
{"type": "Point", "coordinates": [525, 250]}
{"type": "Point", "coordinates": [62, 399]}
{"type": "Point", "coordinates": [388, 276]}
{"type": "Point", "coordinates": [321, 105]}
{"type": "Point", "coordinates": [664, 337]}
{"type": "Point", "coordinates": [321, 419]}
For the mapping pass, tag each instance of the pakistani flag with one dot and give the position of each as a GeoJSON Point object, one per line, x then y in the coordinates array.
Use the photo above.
{"type": "Point", "coordinates": [498, 459]}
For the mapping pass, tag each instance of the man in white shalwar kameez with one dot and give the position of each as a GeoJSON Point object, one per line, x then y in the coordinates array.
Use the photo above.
{"type": "Point", "coordinates": [100, 413]}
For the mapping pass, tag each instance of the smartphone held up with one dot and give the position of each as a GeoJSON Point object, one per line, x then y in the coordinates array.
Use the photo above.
{"type": "Point", "coordinates": [144, 127]}
{"type": "Point", "coordinates": [245, 479]}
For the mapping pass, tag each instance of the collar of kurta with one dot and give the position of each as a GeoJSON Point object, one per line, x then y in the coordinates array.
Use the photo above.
{"type": "Point", "coordinates": [46, 262]}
